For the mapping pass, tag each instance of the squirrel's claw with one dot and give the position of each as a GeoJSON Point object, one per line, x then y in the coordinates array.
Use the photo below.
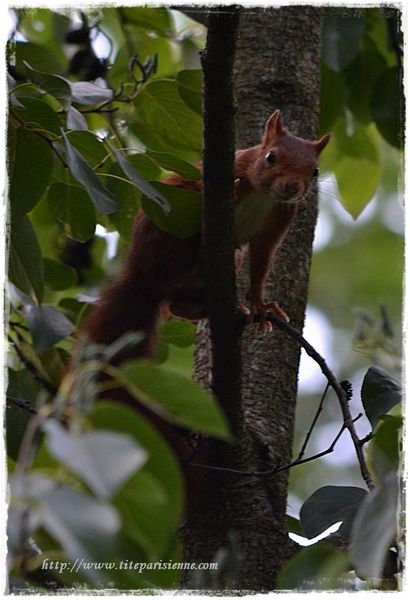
{"type": "Point", "coordinates": [245, 311]}
{"type": "Point", "coordinates": [279, 312]}
{"type": "Point", "coordinates": [261, 309]}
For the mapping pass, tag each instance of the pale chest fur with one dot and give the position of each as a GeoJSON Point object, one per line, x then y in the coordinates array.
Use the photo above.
{"type": "Point", "coordinates": [250, 215]}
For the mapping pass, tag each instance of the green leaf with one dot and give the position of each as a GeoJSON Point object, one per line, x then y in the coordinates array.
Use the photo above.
{"type": "Point", "coordinates": [42, 25]}
{"type": "Point", "coordinates": [184, 219]}
{"type": "Point", "coordinates": [54, 362]}
{"type": "Point", "coordinates": [148, 521]}
{"type": "Point", "coordinates": [329, 505]}
{"type": "Point", "coordinates": [83, 526]}
{"type": "Point", "coordinates": [38, 55]}
{"type": "Point", "coordinates": [179, 333]}
{"type": "Point", "coordinates": [75, 120]}
{"type": "Point", "coordinates": [378, 24]}
{"type": "Point", "coordinates": [161, 464]}
{"type": "Point", "coordinates": [375, 528]}
{"type": "Point", "coordinates": [47, 325]}
{"type": "Point", "coordinates": [294, 525]}
{"type": "Point", "coordinates": [25, 260]}
{"type": "Point", "coordinates": [75, 310]}
{"type": "Point", "coordinates": [142, 184]}
{"type": "Point", "coordinates": [341, 37]}
{"type": "Point", "coordinates": [360, 77]}
{"type": "Point", "coordinates": [145, 165]}
{"type": "Point", "coordinates": [103, 459]}
{"type": "Point", "coordinates": [88, 93]}
{"type": "Point", "coordinates": [170, 162]}
{"type": "Point", "coordinates": [89, 145]}
{"type": "Point", "coordinates": [52, 84]}
{"type": "Point", "coordinates": [73, 210]}
{"type": "Point", "coordinates": [387, 106]}
{"type": "Point", "coordinates": [150, 18]}
{"type": "Point", "coordinates": [174, 396]}
{"type": "Point", "coordinates": [379, 393]}
{"type": "Point", "coordinates": [129, 203]}
{"type": "Point", "coordinates": [129, 196]}
{"type": "Point", "coordinates": [190, 88]}
{"type": "Point", "coordinates": [11, 84]}
{"type": "Point", "coordinates": [25, 491]}
{"type": "Point", "coordinates": [31, 163]}
{"type": "Point", "coordinates": [318, 567]}
{"type": "Point", "coordinates": [101, 197]}
{"type": "Point", "coordinates": [20, 386]}
{"type": "Point", "coordinates": [355, 160]}
{"type": "Point", "coordinates": [383, 453]}
{"type": "Point", "coordinates": [160, 107]}
{"type": "Point", "coordinates": [57, 275]}
{"type": "Point", "coordinates": [38, 114]}
{"type": "Point", "coordinates": [332, 90]}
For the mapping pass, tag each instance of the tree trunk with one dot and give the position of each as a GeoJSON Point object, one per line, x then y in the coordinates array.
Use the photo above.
{"type": "Point", "coordinates": [277, 66]}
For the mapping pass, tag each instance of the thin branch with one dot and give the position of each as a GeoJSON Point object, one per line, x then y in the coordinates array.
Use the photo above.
{"type": "Point", "coordinates": [366, 438]}
{"type": "Point", "coordinates": [100, 109]}
{"type": "Point", "coordinates": [275, 470]}
{"type": "Point", "coordinates": [315, 420]}
{"type": "Point", "coordinates": [341, 394]}
{"type": "Point", "coordinates": [30, 367]}
{"type": "Point", "coordinates": [22, 404]}
{"type": "Point", "coordinates": [15, 324]}
{"type": "Point", "coordinates": [328, 450]}
{"type": "Point", "coordinates": [25, 455]}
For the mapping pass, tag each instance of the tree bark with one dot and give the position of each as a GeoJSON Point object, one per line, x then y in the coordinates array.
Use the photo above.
{"type": "Point", "coordinates": [277, 66]}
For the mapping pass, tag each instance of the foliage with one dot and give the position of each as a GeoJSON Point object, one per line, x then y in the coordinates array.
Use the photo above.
{"type": "Point", "coordinates": [361, 98]}
{"type": "Point", "coordinates": [90, 141]}
{"type": "Point", "coordinates": [367, 519]}
{"type": "Point", "coordinates": [96, 482]}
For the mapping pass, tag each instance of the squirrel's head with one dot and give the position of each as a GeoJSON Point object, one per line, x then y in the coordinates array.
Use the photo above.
{"type": "Point", "coordinates": [286, 165]}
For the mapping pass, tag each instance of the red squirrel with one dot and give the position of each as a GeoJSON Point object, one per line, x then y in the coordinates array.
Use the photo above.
{"type": "Point", "coordinates": [164, 272]}
{"type": "Point", "coordinates": [271, 180]}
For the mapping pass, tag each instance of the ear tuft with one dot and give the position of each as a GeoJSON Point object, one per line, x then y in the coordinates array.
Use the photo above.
{"type": "Point", "coordinates": [319, 145]}
{"type": "Point", "coordinates": [273, 128]}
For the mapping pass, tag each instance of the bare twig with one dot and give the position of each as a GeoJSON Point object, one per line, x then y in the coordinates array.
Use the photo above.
{"type": "Point", "coordinates": [343, 393]}
{"type": "Point", "coordinates": [22, 404]}
{"type": "Point", "coordinates": [275, 470]}
{"type": "Point", "coordinates": [337, 387]}
{"type": "Point", "coordinates": [366, 438]}
{"type": "Point", "coordinates": [315, 420]}
{"type": "Point", "coordinates": [99, 109]}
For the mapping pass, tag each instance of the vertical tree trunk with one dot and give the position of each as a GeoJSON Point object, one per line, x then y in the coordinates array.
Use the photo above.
{"type": "Point", "coordinates": [277, 66]}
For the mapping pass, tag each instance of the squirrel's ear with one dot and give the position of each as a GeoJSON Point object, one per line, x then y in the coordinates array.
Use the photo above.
{"type": "Point", "coordinates": [319, 145]}
{"type": "Point", "coordinates": [273, 128]}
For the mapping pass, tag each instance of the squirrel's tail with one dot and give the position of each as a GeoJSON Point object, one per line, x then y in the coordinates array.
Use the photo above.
{"type": "Point", "coordinates": [124, 308]}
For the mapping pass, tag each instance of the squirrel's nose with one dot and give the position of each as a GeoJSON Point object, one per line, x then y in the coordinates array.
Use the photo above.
{"type": "Point", "coordinates": [292, 188]}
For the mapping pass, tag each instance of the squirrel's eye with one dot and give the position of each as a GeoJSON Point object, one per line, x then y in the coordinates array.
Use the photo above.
{"type": "Point", "coordinates": [316, 172]}
{"type": "Point", "coordinates": [271, 158]}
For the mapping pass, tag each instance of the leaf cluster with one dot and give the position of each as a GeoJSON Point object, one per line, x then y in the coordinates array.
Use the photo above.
{"type": "Point", "coordinates": [96, 481]}
{"type": "Point", "coordinates": [362, 98]}
{"type": "Point", "coordinates": [366, 544]}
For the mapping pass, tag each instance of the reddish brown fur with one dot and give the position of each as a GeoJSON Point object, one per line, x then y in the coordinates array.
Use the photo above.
{"type": "Point", "coordinates": [161, 269]}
